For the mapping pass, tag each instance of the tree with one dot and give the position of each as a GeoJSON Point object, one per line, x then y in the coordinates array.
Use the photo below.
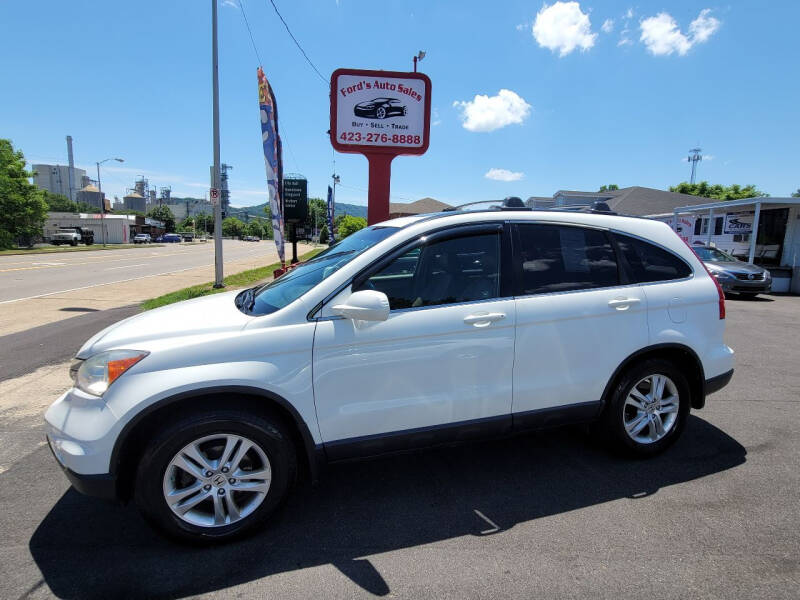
{"type": "Point", "coordinates": [350, 224]}
{"type": "Point", "coordinates": [22, 207]}
{"type": "Point", "coordinates": [324, 236]}
{"type": "Point", "coordinates": [796, 194]}
{"type": "Point", "coordinates": [717, 191]}
{"type": "Point", "coordinates": [163, 214]}
{"type": "Point", "coordinates": [254, 228]}
{"type": "Point", "coordinates": [317, 213]}
{"type": "Point", "coordinates": [60, 203]}
{"type": "Point", "coordinates": [608, 188]}
{"type": "Point", "coordinates": [232, 227]}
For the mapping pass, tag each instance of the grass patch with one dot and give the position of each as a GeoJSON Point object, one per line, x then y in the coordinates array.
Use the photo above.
{"type": "Point", "coordinates": [54, 249]}
{"type": "Point", "coordinates": [237, 280]}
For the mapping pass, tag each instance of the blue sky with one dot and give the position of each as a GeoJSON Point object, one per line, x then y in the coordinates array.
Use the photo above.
{"type": "Point", "coordinates": [596, 92]}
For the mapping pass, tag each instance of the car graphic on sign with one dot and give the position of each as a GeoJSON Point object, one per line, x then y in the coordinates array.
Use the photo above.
{"type": "Point", "coordinates": [380, 108]}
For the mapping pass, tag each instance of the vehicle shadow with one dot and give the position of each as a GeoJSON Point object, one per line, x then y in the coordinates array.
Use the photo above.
{"type": "Point", "coordinates": [86, 548]}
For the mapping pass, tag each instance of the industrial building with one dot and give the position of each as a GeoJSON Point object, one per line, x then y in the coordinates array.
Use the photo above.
{"type": "Point", "coordinates": [113, 229]}
{"type": "Point", "coordinates": [55, 178]}
{"type": "Point", "coordinates": [92, 196]}
{"type": "Point", "coordinates": [135, 201]}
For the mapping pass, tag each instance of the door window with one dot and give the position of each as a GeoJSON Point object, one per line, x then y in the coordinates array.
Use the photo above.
{"type": "Point", "coordinates": [462, 269]}
{"type": "Point", "coordinates": [559, 258]}
{"type": "Point", "coordinates": [649, 263]}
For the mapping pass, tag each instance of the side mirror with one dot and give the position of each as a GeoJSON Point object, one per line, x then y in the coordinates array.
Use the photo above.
{"type": "Point", "coordinates": [366, 305]}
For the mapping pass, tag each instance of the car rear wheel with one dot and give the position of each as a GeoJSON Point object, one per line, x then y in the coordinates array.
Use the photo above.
{"type": "Point", "coordinates": [73, 243]}
{"type": "Point", "coordinates": [648, 408]}
{"type": "Point", "coordinates": [215, 476]}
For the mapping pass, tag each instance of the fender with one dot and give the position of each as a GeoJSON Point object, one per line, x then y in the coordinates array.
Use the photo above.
{"type": "Point", "coordinates": [699, 388]}
{"type": "Point", "coordinates": [313, 453]}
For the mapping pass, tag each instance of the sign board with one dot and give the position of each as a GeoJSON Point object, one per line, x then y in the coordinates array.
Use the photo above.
{"type": "Point", "coordinates": [295, 200]}
{"type": "Point", "coordinates": [380, 111]}
{"type": "Point", "coordinates": [380, 114]}
{"type": "Point", "coordinates": [214, 195]}
{"type": "Point", "coordinates": [741, 222]}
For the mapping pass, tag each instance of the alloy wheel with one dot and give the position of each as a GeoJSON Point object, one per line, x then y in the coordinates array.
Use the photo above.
{"type": "Point", "coordinates": [651, 409]}
{"type": "Point", "coordinates": [217, 480]}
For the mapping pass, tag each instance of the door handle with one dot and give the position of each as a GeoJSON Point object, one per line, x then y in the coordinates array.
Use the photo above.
{"type": "Point", "coordinates": [483, 319]}
{"type": "Point", "coordinates": [623, 303]}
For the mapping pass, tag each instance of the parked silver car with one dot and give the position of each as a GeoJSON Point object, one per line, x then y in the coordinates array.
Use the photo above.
{"type": "Point", "coordinates": [734, 275]}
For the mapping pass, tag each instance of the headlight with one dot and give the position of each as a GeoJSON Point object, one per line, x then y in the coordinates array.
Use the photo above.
{"type": "Point", "coordinates": [95, 374]}
{"type": "Point", "coordinates": [767, 274]}
{"type": "Point", "coordinates": [722, 275]}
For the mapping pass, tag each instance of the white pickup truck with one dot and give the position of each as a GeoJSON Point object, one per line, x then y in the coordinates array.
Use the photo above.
{"type": "Point", "coordinates": [72, 236]}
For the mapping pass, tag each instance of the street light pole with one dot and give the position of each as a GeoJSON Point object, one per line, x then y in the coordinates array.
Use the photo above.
{"type": "Point", "coordinates": [102, 201]}
{"type": "Point", "coordinates": [215, 171]}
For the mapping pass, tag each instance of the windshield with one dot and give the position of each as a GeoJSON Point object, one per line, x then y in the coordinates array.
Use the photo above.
{"type": "Point", "coordinates": [277, 294]}
{"type": "Point", "coordinates": [714, 255]}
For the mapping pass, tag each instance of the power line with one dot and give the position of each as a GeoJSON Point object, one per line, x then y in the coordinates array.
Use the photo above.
{"type": "Point", "coordinates": [297, 43]}
{"type": "Point", "coordinates": [247, 24]}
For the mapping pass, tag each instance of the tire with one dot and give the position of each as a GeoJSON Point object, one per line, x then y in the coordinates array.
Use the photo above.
{"type": "Point", "coordinates": [405, 111]}
{"type": "Point", "coordinates": [621, 415]}
{"type": "Point", "coordinates": [380, 113]}
{"type": "Point", "coordinates": [210, 519]}
{"type": "Point", "coordinates": [73, 243]}
{"type": "Point", "coordinates": [56, 243]}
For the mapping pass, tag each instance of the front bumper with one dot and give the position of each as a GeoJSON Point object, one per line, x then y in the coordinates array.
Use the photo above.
{"type": "Point", "coordinates": [746, 286]}
{"type": "Point", "coordinates": [99, 485]}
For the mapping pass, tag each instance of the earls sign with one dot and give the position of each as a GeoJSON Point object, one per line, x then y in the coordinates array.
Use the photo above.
{"type": "Point", "coordinates": [380, 114]}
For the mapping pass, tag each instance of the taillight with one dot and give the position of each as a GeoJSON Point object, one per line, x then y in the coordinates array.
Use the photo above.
{"type": "Point", "coordinates": [720, 293]}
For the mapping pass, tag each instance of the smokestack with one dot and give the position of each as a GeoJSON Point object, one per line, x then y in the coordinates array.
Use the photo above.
{"type": "Point", "coordinates": [71, 171]}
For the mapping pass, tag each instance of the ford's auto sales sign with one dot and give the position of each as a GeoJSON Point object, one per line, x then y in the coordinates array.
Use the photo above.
{"type": "Point", "coordinates": [383, 112]}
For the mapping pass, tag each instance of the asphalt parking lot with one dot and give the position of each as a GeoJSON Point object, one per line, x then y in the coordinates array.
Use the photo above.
{"type": "Point", "coordinates": [549, 515]}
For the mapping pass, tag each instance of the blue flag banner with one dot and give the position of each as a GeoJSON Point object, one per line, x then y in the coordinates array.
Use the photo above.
{"type": "Point", "coordinates": [330, 215]}
{"type": "Point", "coordinates": [273, 157]}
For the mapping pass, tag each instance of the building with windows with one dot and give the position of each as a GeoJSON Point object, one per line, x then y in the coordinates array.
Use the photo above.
{"type": "Point", "coordinates": [55, 178]}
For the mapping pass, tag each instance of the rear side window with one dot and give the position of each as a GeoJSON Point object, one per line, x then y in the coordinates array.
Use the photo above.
{"type": "Point", "coordinates": [650, 263]}
{"type": "Point", "coordinates": [556, 258]}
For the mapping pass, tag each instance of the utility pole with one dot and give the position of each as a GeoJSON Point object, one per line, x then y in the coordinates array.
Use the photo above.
{"type": "Point", "coordinates": [215, 171]}
{"type": "Point", "coordinates": [694, 158]}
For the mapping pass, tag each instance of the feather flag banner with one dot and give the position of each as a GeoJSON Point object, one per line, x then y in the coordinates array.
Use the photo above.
{"type": "Point", "coordinates": [273, 157]}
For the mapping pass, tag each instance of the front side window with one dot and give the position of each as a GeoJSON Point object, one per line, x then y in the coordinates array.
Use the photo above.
{"type": "Point", "coordinates": [650, 263]}
{"type": "Point", "coordinates": [462, 269]}
{"type": "Point", "coordinates": [279, 293]}
{"type": "Point", "coordinates": [560, 258]}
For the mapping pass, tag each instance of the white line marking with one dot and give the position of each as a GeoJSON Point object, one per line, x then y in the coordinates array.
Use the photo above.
{"type": "Point", "coordinates": [489, 521]}
{"type": "Point", "coordinates": [86, 287]}
{"type": "Point", "coordinates": [125, 267]}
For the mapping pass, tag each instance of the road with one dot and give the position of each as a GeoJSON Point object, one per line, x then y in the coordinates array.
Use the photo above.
{"type": "Point", "coordinates": [539, 516]}
{"type": "Point", "coordinates": [30, 276]}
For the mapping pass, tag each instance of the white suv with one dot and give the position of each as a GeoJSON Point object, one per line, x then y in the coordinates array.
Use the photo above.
{"type": "Point", "coordinates": [414, 332]}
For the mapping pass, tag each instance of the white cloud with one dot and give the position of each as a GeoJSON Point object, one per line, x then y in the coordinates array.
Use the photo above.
{"type": "Point", "coordinates": [624, 35]}
{"type": "Point", "coordinates": [504, 175]}
{"type": "Point", "coordinates": [661, 35]}
{"type": "Point", "coordinates": [563, 27]}
{"type": "Point", "coordinates": [487, 113]}
{"type": "Point", "coordinates": [230, 3]}
{"type": "Point", "coordinates": [607, 26]}
{"type": "Point", "coordinates": [703, 27]}
{"type": "Point", "coordinates": [435, 120]}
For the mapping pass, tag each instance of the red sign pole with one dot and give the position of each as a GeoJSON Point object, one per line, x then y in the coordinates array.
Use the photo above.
{"type": "Point", "coordinates": [380, 176]}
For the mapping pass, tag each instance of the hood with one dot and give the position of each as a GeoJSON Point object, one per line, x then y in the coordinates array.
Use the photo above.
{"type": "Point", "coordinates": [734, 267]}
{"type": "Point", "coordinates": [210, 314]}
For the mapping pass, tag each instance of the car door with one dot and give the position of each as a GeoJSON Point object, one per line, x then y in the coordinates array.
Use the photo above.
{"type": "Point", "coordinates": [440, 367]}
{"type": "Point", "coordinates": [577, 321]}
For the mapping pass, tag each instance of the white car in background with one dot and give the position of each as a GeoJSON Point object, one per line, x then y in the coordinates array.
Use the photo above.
{"type": "Point", "coordinates": [413, 332]}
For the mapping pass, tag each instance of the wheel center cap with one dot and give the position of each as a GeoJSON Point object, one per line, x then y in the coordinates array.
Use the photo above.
{"type": "Point", "coordinates": [218, 480]}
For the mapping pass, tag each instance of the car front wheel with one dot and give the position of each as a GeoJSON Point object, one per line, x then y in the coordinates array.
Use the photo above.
{"type": "Point", "coordinates": [648, 408]}
{"type": "Point", "coordinates": [215, 476]}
